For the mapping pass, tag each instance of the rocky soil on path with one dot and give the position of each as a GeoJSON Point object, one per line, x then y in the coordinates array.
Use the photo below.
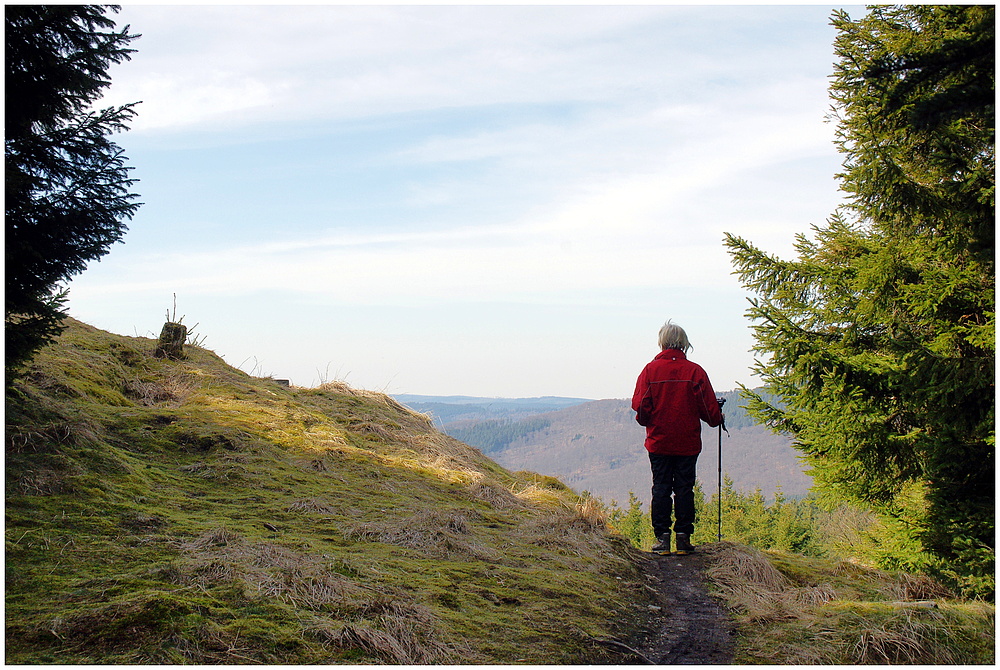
{"type": "Point", "coordinates": [685, 625]}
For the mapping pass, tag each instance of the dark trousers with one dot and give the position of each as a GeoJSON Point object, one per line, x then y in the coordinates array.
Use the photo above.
{"type": "Point", "coordinates": [673, 475]}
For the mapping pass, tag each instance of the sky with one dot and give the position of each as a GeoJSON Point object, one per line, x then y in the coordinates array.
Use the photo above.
{"type": "Point", "coordinates": [500, 201]}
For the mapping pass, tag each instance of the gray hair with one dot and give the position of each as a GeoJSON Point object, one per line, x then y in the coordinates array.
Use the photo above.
{"type": "Point", "coordinates": [673, 336]}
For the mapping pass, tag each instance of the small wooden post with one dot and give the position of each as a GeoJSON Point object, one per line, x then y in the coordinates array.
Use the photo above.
{"type": "Point", "coordinates": [171, 343]}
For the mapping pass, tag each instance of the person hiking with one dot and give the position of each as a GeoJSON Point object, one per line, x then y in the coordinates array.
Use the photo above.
{"type": "Point", "coordinates": [672, 397]}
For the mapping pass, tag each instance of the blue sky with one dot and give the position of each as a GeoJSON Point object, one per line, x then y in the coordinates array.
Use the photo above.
{"type": "Point", "coordinates": [477, 200]}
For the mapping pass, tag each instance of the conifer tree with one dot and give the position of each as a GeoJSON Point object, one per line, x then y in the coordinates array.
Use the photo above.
{"type": "Point", "coordinates": [66, 184]}
{"type": "Point", "coordinates": [632, 523]}
{"type": "Point", "coordinates": [879, 338]}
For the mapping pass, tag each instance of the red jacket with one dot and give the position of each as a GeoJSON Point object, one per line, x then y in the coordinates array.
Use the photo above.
{"type": "Point", "coordinates": [680, 397]}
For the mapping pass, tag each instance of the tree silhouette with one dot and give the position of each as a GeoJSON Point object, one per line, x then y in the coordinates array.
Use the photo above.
{"type": "Point", "coordinates": [66, 184]}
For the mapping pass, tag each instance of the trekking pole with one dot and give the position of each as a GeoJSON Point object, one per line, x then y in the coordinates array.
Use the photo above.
{"type": "Point", "coordinates": [722, 426]}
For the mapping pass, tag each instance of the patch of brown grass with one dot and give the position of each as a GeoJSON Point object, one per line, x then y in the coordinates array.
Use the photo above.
{"type": "Point", "coordinates": [496, 496]}
{"type": "Point", "coordinates": [438, 533]}
{"type": "Point", "coordinates": [752, 585]}
{"type": "Point", "coordinates": [570, 539]}
{"type": "Point", "coordinates": [371, 428]}
{"type": "Point", "coordinates": [266, 571]}
{"type": "Point", "coordinates": [345, 614]}
{"type": "Point", "coordinates": [400, 634]}
{"type": "Point", "coordinates": [899, 639]}
{"type": "Point", "coordinates": [543, 496]}
{"type": "Point", "coordinates": [910, 587]}
{"type": "Point", "coordinates": [593, 512]}
{"type": "Point", "coordinates": [172, 388]}
{"type": "Point", "coordinates": [386, 401]}
{"type": "Point", "coordinates": [47, 438]}
{"type": "Point", "coordinates": [443, 451]}
{"type": "Point", "coordinates": [120, 623]}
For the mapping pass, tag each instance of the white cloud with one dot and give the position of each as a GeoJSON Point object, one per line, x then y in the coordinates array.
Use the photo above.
{"type": "Point", "coordinates": [619, 213]}
{"type": "Point", "coordinates": [196, 64]}
{"type": "Point", "coordinates": [172, 100]}
{"type": "Point", "coordinates": [545, 155]}
{"type": "Point", "coordinates": [517, 269]}
{"type": "Point", "coordinates": [608, 239]}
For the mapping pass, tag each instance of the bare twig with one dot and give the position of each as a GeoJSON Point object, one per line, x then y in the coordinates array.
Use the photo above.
{"type": "Point", "coordinates": [608, 642]}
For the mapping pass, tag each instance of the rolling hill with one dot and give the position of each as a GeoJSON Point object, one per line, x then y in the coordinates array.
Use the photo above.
{"type": "Point", "coordinates": [596, 446]}
{"type": "Point", "coordinates": [178, 512]}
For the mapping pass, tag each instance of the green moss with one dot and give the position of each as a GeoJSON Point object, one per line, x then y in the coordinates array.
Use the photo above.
{"type": "Point", "coordinates": [185, 512]}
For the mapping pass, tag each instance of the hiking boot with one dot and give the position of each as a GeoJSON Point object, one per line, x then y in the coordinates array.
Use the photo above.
{"type": "Point", "coordinates": [684, 545]}
{"type": "Point", "coordinates": [663, 545]}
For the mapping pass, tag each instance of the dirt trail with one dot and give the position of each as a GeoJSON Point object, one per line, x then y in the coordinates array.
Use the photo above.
{"type": "Point", "coordinates": [687, 626]}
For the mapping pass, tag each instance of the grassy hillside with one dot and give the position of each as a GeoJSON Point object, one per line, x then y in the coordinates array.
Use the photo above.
{"type": "Point", "coordinates": [185, 512]}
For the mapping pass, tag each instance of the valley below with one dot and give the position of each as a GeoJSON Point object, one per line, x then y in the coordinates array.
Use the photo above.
{"type": "Point", "coordinates": [596, 445]}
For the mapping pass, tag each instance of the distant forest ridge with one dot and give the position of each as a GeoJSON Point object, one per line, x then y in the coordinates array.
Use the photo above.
{"type": "Point", "coordinates": [450, 409]}
{"type": "Point", "coordinates": [491, 424]}
{"type": "Point", "coordinates": [545, 401]}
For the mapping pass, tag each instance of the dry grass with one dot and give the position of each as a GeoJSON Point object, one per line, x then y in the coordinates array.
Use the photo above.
{"type": "Point", "coordinates": [118, 623]}
{"type": "Point", "coordinates": [267, 571]}
{"type": "Point", "coordinates": [810, 621]}
{"type": "Point", "coordinates": [446, 451]}
{"type": "Point", "coordinates": [899, 639]}
{"type": "Point", "coordinates": [371, 428]}
{"type": "Point", "coordinates": [436, 533]}
{"type": "Point", "coordinates": [569, 538]}
{"type": "Point", "coordinates": [495, 496]}
{"type": "Point", "coordinates": [909, 587]}
{"type": "Point", "coordinates": [346, 614]}
{"type": "Point", "coordinates": [400, 635]}
{"type": "Point", "coordinates": [396, 435]}
{"type": "Point", "coordinates": [753, 586]}
{"type": "Point", "coordinates": [174, 388]}
{"type": "Point", "coordinates": [380, 399]}
{"type": "Point", "coordinates": [593, 512]}
{"type": "Point", "coordinates": [542, 496]}
{"type": "Point", "coordinates": [75, 432]}
{"type": "Point", "coordinates": [342, 388]}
